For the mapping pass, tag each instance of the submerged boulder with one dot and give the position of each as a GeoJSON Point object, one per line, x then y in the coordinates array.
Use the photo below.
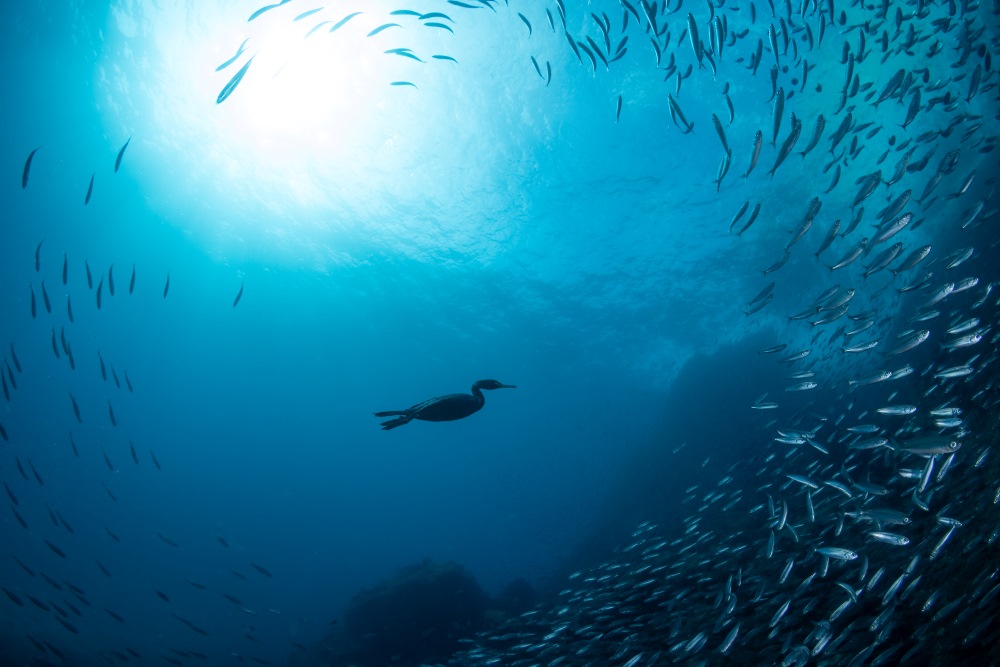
{"type": "Point", "coordinates": [417, 616]}
{"type": "Point", "coordinates": [515, 598]}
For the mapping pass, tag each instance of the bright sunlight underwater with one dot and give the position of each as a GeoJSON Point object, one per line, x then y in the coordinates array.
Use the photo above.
{"type": "Point", "coordinates": [464, 333]}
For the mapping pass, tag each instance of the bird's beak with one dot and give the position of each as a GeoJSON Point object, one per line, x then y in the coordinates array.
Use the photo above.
{"type": "Point", "coordinates": [507, 386]}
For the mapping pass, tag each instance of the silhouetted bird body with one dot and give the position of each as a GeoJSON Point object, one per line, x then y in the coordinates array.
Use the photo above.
{"type": "Point", "coordinates": [443, 408]}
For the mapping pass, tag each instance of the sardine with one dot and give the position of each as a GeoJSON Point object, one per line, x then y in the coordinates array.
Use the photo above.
{"type": "Point", "coordinates": [777, 111]}
{"type": "Point", "coordinates": [758, 140]}
{"type": "Point", "coordinates": [121, 153]}
{"type": "Point", "coordinates": [24, 183]}
{"type": "Point", "coordinates": [228, 89]}
{"type": "Point", "coordinates": [817, 134]}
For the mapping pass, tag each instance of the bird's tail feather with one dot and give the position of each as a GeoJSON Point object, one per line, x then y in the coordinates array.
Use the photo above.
{"type": "Point", "coordinates": [398, 421]}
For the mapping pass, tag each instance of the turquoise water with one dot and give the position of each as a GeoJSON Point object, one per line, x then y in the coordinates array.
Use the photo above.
{"type": "Point", "coordinates": [396, 242]}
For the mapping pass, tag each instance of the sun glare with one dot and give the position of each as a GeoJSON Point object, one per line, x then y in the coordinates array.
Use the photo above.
{"type": "Point", "coordinates": [301, 92]}
{"type": "Point", "coordinates": [338, 121]}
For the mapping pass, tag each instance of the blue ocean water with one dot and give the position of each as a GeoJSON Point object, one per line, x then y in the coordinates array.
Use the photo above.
{"type": "Point", "coordinates": [400, 225]}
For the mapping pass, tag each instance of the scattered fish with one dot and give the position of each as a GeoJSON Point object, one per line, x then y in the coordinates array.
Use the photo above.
{"type": "Point", "coordinates": [261, 570]}
{"type": "Point", "coordinates": [228, 89]}
{"type": "Point", "coordinates": [167, 540]}
{"type": "Point", "coordinates": [121, 152]}
{"type": "Point", "coordinates": [239, 52]}
{"type": "Point", "coordinates": [266, 8]}
{"type": "Point", "coordinates": [24, 184]}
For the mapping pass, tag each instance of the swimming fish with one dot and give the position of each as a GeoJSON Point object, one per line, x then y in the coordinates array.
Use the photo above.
{"type": "Point", "coordinates": [121, 154]}
{"type": "Point", "coordinates": [406, 53]}
{"type": "Point", "coordinates": [56, 550]}
{"type": "Point", "coordinates": [235, 81]}
{"type": "Point", "coordinates": [266, 8]}
{"type": "Point", "coordinates": [261, 570]}
{"type": "Point", "coordinates": [526, 22]}
{"type": "Point", "coordinates": [442, 26]}
{"type": "Point", "coordinates": [27, 169]}
{"type": "Point", "coordinates": [692, 28]}
{"type": "Point", "coordinates": [722, 134]}
{"type": "Point", "coordinates": [786, 148]}
{"type": "Point", "coordinates": [750, 221]}
{"type": "Point", "coordinates": [778, 111]}
{"type": "Point", "coordinates": [344, 20]}
{"type": "Point", "coordinates": [307, 14]}
{"type": "Point", "coordinates": [45, 298]}
{"type": "Point", "coordinates": [239, 52]}
{"type": "Point", "coordinates": [891, 86]}
{"type": "Point", "coordinates": [167, 540]}
{"type": "Point", "coordinates": [677, 115]}
{"type": "Point", "coordinates": [382, 27]}
{"type": "Point", "coordinates": [758, 140]}
{"type": "Point", "coordinates": [317, 27]}
{"type": "Point", "coordinates": [13, 357]}
{"type": "Point", "coordinates": [817, 133]}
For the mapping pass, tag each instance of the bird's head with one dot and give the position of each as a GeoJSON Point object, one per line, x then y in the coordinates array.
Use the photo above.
{"type": "Point", "coordinates": [493, 384]}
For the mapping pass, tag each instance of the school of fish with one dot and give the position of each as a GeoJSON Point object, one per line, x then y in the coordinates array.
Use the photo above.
{"type": "Point", "coordinates": [862, 528]}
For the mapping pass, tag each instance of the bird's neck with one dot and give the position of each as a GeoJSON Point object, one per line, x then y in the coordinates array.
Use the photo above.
{"type": "Point", "coordinates": [478, 393]}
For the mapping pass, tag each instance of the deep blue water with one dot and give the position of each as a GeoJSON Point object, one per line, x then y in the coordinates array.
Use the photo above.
{"type": "Point", "coordinates": [398, 242]}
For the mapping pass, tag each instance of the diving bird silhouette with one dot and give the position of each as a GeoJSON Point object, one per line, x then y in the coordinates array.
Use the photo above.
{"type": "Point", "coordinates": [443, 408]}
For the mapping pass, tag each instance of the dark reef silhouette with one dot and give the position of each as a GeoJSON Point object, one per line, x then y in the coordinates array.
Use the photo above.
{"type": "Point", "coordinates": [416, 617]}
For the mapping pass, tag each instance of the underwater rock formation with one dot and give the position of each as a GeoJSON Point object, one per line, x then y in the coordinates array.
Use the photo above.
{"type": "Point", "coordinates": [515, 598]}
{"type": "Point", "coordinates": [415, 617]}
